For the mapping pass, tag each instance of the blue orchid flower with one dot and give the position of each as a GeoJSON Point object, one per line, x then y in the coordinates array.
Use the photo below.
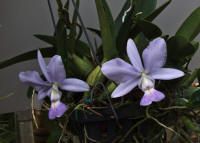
{"type": "Point", "coordinates": [135, 74]}
{"type": "Point", "coordinates": [55, 75]}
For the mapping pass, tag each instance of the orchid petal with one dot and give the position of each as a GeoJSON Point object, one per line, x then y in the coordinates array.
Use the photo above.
{"type": "Point", "coordinates": [55, 69]}
{"type": "Point", "coordinates": [42, 93]}
{"type": "Point", "coordinates": [124, 88]}
{"type": "Point", "coordinates": [154, 56]}
{"type": "Point", "coordinates": [134, 56]}
{"type": "Point", "coordinates": [74, 85]}
{"type": "Point", "coordinates": [43, 66]}
{"type": "Point", "coordinates": [146, 100]}
{"type": "Point", "coordinates": [150, 96]}
{"type": "Point", "coordinates": [157, 96]}
{"type": "Point", "coordinates": [57, 110]}
{"type": "Point", "coordinates": [166, 74]}
{"type": "Point", "coordinates": [118, 70]}
{"type": "Point", "coordinates": [33, 79]}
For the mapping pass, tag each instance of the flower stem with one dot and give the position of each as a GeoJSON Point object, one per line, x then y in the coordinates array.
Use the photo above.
{"type": "Point", "coordinates": [132, 128]}
{"type": "Point", "coordinates": [163, 125]}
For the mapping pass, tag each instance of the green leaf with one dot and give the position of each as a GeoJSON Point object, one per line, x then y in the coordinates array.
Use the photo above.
{"type": "Point", "coordinates": [195, 99]}
{"type": "Point", "coordinates": [141, 42]}
{"type": "Point", "coordinates": [118, 20]}
{"type": "Point", "coordinates": [96, 31]}
{"type": "Point", "coordinates": [131, 28]}
{"type": "Point", "coordinates": [191, 78]}
{"type": "Point", "coordinates": [156, 12]}
{"type": "Point", "coordinates": [61, 42]}
{"type": "Point", "coordinates": [72, 35]}
{"type": "Point", "coordinates": [145, 6]}
{"type": "Point", "coordinates": [189, 91]}
{"type": "Point", "coordinates": [83, 65]}
{"type": "Point", "coordinates": [107, 27]}
{"type": "Point", "coordinates": [125, 32]}
{"type": "Point", "coordinates": [46, 38]}
{"type": "Point", "coordinates": [46, 52]}
{"type": "Point", "coordinates": [149, 29]}
{"type": "Point", "coordinates": [66, 6]}
{"type": "Point", "coordinates": [95, 76]}
{"type": "Point", "coordinates": [179, 50]}
{"type": "Point", "coordinates": [191, 26]}
{"type": "Point", "coordinates": [195, 44]}
{"type": "Point", "coordinates": [82, 49]}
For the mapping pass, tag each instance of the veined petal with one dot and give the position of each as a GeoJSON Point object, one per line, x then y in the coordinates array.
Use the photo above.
{"type": "Point", "coordinates": [154, 56]}
{"type": "Point", "coordinates": [118, 70]}
{"type": "Point", "coordinates": [134, 56]}
{"type": "Point", "coordinates": [74, 85]}
{"type": "Point", "coordinates": [151, 95]}
{"type": "Point", "coordinates": [124, 88]}
{"type": "Point", "coordinates": [42, 93]}
{"type": "Point", "coordinates": [43, 66]}
{"type": "Point", "coordinates": [57, 110]}
{"type": "Point", "coordinates": [33, 79]}
{"type": "Point", "coordinates": [55, 69]}
{"type": "Point", "coordinates": [166, 74]}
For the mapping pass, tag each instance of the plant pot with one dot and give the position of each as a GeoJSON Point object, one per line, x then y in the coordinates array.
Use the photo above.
{"type": "Point", "coordinates": [102, 126]}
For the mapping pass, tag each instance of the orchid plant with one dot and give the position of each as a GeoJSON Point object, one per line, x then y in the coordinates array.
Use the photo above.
{"type": "Point", "coordinates": [136, 95]}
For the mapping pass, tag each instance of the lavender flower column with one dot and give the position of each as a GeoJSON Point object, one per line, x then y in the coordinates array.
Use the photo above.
{"type": "Point", "coordinates": [129, 76]}
{"type": "Point", "coordinates": [55, 75]}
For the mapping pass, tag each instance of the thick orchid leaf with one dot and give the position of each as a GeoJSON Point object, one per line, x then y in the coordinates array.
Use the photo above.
{"type": "Point", "coordinates": [83, 65]}
{"type": "Point", "coordinates": [156, 12]}
{"type": "Point", "coordinates": [149, 29]}
{"type": "Point", "coordinates": [141, 42]}
{"type": "Point", "coordinates": [191, 26]}
{"type": "Point", "coordinates": [82, 49]}
{"type": "Point", "coordinates": [72, 35]}
{"type": "Point", "coordinates": [96, 31]}
{"type": "Point", "coordinates": [67, 4]}
{"type": "Point", "coordinates": [131, 28]}
{"type": "Point", "coordinates": [124, 32]}
{"type": "Point", "coordinates": [107, 27]}
{"type": "Point", "coordinates": [61, 41]}
{"type": "Point", "coordinates": [179, 50]}
{"type": "Point", "coordinates": [118, 20]}
{"type": "Point", "coordinates": [46, 52]}
{"type": "Point", "coordinates": [95, 76]}
{"type": "Point", "coordinates": [191, 78]}
{"type": "Point", "coordinates": [188, 92]}
{"type": "Point", "coordinates": [145, 6]}
{"type": "Point", "coordinates": [194, 100]}
{"type": "Point", "coordinates": [195, 43]}
{"type": "Point", "coordinates": [46, 38]}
